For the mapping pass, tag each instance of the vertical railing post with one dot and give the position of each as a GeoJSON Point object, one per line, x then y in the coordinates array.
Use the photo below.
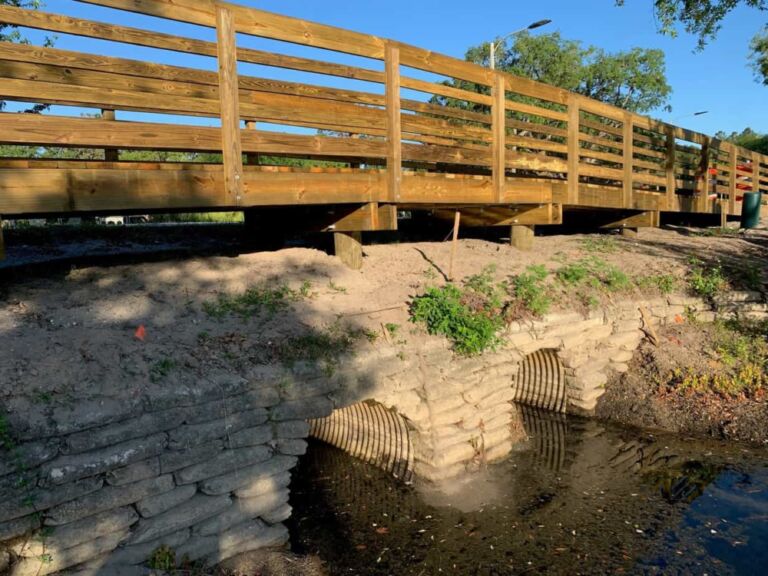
{"type": "Point", "coordinates": [110, 154]}
{"type": "Point", "coordinates": [229, 98]}
{"type": "Point", "coordinates": [670, 168]}
{"type": "Point", "coordinates": [703, 203]}
{"type": "Point", "coordinates": [755, 172]}
{"type": "Point", "coordinates": [732, 180]}
{"type": "Point", "coordinates": [574, 123]}
{"type": "Point", "coordinates": [499, 147]}
{"type": "Point", "coordinates": [628, 138]}
{"type": "Point", "coordinates": [394, 123]}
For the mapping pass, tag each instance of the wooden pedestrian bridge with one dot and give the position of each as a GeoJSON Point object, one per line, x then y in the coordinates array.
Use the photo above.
{"type": "Point", "coordinates": [399, 128]}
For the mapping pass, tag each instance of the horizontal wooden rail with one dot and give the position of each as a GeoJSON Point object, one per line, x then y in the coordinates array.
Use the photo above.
{"type": "Point", "coordinates": [507, 140]}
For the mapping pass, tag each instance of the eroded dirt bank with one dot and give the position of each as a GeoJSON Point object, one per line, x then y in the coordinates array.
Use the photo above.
{"type": "Point", "coordinates": [702, 380]}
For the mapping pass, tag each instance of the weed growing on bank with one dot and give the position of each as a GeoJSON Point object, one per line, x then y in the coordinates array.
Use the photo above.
{"type": "Point", "coordinates": [321, 347]}
{"type": "Point", "coordinates": [706, 281]}
{"type": "Point", "coordinates": [268, 298]}
{"type": "Point", "coordinates": [470, 316]}
{"type": "Point", "coordinates": [530, 292]}
{"type": "Point", "coordinates": [739, 353]}
{"type": "Point", "coordinates": [473, 314]}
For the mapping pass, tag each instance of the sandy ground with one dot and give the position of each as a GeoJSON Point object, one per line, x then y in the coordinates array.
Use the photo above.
{"type": "Point", "coordinates": [69, 334]}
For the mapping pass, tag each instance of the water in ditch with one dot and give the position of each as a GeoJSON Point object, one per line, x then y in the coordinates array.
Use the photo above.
{"type": "Point", "coordinates": [579, 497]}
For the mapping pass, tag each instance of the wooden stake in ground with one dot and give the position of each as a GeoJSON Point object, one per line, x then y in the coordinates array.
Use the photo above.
{"type": "Point", "coordinates": [456, 223]}
{"type": "Point", "coordinates": [648, 328]}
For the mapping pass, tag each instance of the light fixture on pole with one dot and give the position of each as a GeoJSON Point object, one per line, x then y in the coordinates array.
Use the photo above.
{"type": "Point", "coordinates": [700, 113]}
{"type": "Point", "coordinates": [495, 45]}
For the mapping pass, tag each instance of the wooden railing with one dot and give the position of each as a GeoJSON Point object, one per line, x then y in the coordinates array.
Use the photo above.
{"type": "Point", "coordinates": [505, 140]}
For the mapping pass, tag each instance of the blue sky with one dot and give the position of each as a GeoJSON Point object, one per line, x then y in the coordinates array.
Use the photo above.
{"type": "Point", "coordinates": [718, 79]}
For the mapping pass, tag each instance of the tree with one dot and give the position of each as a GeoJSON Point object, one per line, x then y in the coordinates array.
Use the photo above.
{"type": "Point", "coordinates": [634, 80]}
{"type": "Point", "coordinates": [704, 18]}
{"type": "Point", "coordinates": [759, 55]}
{"type": "Point", "coordinates": [11, 34]}
{"type": "Point", "coordinates": [748, 139]}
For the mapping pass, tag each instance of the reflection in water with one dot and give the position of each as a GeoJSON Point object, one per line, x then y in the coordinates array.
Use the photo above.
{"type": "Point", "coordinates": [577, 498]}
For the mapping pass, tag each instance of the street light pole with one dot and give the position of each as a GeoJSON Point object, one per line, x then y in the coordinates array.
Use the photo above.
{"type": "Point", "coordinates": [495, 45]}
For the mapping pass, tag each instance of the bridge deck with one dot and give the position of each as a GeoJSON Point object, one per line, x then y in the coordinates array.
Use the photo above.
{"type": "Point", "coordinates": [459, 135]}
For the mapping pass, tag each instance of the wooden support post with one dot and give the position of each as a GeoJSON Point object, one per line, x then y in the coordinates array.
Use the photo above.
{"type": "Point", "coordinates": [110, 154]}
{"type": "Point", "coordinates": [703, 203]}
{"type": "Point", "coordinates": [521, 237]}
{"type": "Point", "coordinates": [732, 180]}
{"type": "Point", "coordinates": [670, 168]}
{"type": "Point", "coordinates": [628, 137]}
{"type": "Point", "coordinates": [394, 123]}
{"type": "Point", "coordinates": [723, 214]}
{"type": "Point", "coordinates": [630, 232]}
{"type": "Point", "coordinates": [454, 243]}
{"type": "Point", "coordinates": [252, 159]}
{"type": "Point", "coordinates": [2, 240]}
{"type": "Point", "coordinates": [499, 148]}
{"type": "Point", "coordinates": [348, 248]}
{"type": "Point", "coordinates": [229, 97]}
{"type": "Point", "coordinates": [574, 122]}
{"type": "Point", "coordinates": [755, 172]}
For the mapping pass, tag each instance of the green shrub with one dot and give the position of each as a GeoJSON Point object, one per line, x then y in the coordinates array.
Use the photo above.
{"type": "Point", "coordinates": [469, 318]}
{"type": "Point", "coordinates": [530, 290]}
{"type": "Point", "coordinates": [706, 281]}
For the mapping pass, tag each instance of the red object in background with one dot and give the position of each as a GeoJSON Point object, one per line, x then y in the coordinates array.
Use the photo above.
{"type": "Point", "coordinates": [140, 333]}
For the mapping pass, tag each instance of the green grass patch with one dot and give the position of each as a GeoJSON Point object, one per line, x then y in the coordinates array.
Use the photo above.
{"type": "Point", "coordinates": [202, 218]}
{"type": "Point", "coordinates": [267, 299]}
{"type": "Point", "coordinates": [663, 283]}
{"type": "Point", "coordinates": [600, 244]}
{"type": "Point", "coordinates": [594, 272]}
{"type": "Point", "coordinates": [392, 328]}
{"type": "Point", "coordinates": [323, 347]}
{"type": "Point", "coordinates": [161, 369]}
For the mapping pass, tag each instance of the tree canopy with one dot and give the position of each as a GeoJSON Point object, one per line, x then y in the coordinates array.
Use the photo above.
{"type": "Point", "coordinates": [634, 80]}
{"type": "Point", "coordinates": [704, 19]}
{"type": "Point", "coordinates": [748, 139]}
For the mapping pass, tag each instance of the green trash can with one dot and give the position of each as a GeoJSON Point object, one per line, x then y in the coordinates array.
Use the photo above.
{"type": "Point", "coordinates": [750, 210]}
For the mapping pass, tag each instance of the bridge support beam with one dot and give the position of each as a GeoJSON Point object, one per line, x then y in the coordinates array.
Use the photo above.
{"type": "Point", "coordinates": [522, 215]}
{"type": "Point", "coordinates": [649, 219]}
{"type": "Point", "coordinates": [348, 247]}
